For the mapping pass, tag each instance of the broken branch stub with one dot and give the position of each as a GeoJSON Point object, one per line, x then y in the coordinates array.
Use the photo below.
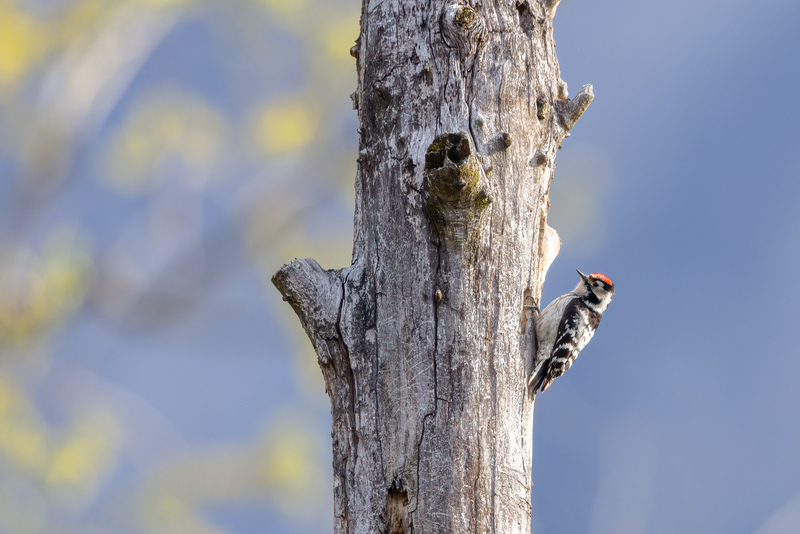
{"type": "Point", "coordinates": [315, 295]}
{"type": "Point", "coordinates": [569, 111]}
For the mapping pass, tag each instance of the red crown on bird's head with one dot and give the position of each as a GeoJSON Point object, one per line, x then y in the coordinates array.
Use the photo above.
{"type": "Point", "coordinates": [604, 278]}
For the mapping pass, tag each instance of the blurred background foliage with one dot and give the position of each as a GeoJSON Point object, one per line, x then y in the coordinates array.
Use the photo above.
{"type": "Point", "coordinates": [159, 159]}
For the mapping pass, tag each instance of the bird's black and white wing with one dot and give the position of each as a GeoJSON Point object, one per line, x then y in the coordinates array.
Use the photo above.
{"type": "Point", "coordinates": [577, 326]}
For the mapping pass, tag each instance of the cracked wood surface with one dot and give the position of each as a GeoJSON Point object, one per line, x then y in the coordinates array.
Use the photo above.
{"type": "Point", "coordinates": [425, 341]}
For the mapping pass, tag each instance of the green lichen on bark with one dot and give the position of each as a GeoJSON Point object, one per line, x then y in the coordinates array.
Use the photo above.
{"type": "Point", "coordinates": [465, 16]}
{"type": "Point", "coordinates": [458, 193]}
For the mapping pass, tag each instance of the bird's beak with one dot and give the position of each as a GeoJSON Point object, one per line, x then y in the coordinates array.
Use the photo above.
{"type": "Point", "coordinates": [586, 280]}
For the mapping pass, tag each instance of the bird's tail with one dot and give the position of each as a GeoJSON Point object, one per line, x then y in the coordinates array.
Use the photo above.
{"type": "Point", "coordinates": [536, 379]}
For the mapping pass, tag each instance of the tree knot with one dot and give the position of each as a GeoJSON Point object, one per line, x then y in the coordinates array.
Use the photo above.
{"type": "Point", "coordinates": [457, 188]}
{"type": "Point", "coordinates": [463, 28]}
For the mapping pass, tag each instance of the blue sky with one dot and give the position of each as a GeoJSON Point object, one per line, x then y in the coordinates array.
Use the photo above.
{"type": "Point", "coordinates": [681, 415]}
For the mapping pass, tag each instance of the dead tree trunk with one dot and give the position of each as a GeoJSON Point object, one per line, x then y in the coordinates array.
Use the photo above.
{"type": "Point", "coordinates": [425, 341]}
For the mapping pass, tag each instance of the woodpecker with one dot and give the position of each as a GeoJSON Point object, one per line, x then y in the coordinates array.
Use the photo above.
{"type": "Point", "coordinates": [566, 325]}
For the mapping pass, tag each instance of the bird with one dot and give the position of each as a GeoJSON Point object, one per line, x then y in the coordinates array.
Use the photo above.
{"type": "Point", "coordinates": [565, 326]}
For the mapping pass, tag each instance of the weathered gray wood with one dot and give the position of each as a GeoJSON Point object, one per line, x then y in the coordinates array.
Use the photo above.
{"type": "Point", "coordinates": [425, 341]}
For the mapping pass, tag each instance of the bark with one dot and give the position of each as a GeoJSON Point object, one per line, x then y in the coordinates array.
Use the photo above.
{"type": "Point", "coordinates": [425, 341]}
